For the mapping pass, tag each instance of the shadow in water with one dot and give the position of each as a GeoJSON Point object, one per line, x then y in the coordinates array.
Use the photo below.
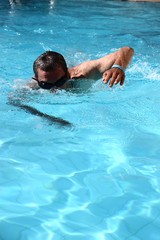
{"type": "Point", "coordinates": [51, 119]}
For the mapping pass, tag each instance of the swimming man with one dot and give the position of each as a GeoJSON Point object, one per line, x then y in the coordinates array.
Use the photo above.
{"type": "Point", "coordinates": [51, 71]}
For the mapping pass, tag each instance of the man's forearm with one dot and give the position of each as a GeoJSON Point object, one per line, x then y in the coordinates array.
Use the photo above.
{"type": "Point", "coordinates": [124, 56]}
{"type": "Point", "coordinates": [121, 57]}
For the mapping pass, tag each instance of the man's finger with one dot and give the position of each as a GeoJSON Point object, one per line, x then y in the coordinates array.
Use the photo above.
{"type": "Point", "coordinates": [113, 79]}
{"type": "Point", "coordinates": [118, 79]}
{"type": "Point", "coordinates": [122, 80]}
{"type": "Point", "coordinates": [106, 77]}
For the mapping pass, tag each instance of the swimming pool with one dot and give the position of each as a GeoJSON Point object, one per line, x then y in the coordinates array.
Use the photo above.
{"type": "Point", "coordinates": [100, 178]}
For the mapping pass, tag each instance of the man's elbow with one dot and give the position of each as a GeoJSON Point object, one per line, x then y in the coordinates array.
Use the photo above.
{"type": "Point", "coordinates": [129, 50]}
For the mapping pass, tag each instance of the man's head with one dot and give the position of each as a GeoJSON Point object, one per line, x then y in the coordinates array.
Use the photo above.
{"type": "Point", "coordinates": [50, 70]}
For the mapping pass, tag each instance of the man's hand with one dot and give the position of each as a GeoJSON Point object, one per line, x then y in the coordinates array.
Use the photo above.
{"type": "Point", "coordinates": [113, 76]}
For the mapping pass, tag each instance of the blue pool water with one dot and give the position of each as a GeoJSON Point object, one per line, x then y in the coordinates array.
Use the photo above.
{"type": "Point", "coordinates": [100, 178]}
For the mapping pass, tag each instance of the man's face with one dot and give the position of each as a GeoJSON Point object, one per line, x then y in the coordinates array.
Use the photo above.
{"type": "Point", "coordinates": [51, 79]}
{"type": "Point", "coordinates": [52, 76]}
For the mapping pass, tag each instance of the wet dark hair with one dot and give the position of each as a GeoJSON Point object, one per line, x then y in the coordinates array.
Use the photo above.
{"type": "Point", "coordinates": [49, 61]}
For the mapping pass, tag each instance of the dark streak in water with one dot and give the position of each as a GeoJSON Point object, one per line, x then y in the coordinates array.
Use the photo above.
{"type": "Point", "coordinates": [34, 111]}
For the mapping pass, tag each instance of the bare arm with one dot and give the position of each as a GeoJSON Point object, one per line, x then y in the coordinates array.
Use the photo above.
{"type": "Point", "coordinates": [115, 75]}
{"type": "Point", "coordinates": [104, 65]}
{"type": "Point", "coordinates": [121, 57]}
